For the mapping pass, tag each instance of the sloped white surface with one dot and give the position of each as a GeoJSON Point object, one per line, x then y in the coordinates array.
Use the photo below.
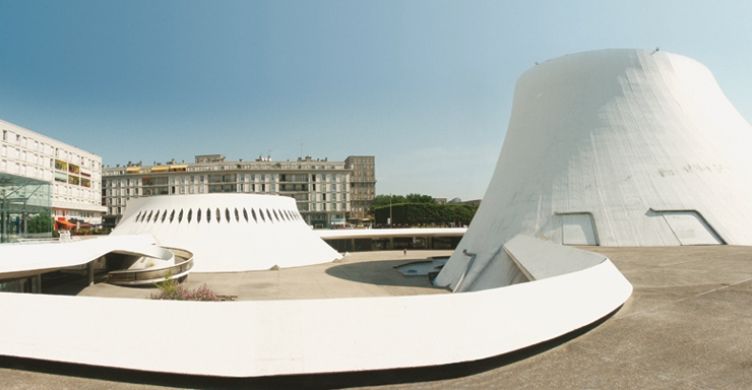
{"type": "Point", "coordinates": [240, 243]}
{"type": "Point", "coordinates": [18, 260]}
{"type": "Point", "coordinates": [259, 338]}
{"type": "Point", "coordinates": [620, 135]}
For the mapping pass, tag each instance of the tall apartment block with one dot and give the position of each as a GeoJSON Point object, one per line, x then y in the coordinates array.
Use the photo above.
{"type": "Point", "coordinates": [41, 175]}
{"type": "Point", "coordinates": [327, 192]}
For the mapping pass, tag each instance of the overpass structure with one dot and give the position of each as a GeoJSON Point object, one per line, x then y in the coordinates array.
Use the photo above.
{"type": "Point", "coordinates": [347, 240]}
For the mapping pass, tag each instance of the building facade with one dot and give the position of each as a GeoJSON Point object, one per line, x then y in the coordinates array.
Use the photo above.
{"type": "Point", "coordinates": [323, 190]}
{"type": "Point", "coordinates": [362, 185]}
{"type": "Point", "coordinates": [32, 163]}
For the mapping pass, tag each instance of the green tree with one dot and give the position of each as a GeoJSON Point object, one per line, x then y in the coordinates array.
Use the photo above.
{"type": "Point", "coordinates": [40, 223]}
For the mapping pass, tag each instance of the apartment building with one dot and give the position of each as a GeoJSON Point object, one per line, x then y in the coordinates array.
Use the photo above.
{"type": "Point", "coordinates": [39, 171]}
{"type": "Point", "coordinates": [327, 193]}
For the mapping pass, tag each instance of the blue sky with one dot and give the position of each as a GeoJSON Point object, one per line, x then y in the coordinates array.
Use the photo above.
{"type": "Point", "coordinates": [425, 86]}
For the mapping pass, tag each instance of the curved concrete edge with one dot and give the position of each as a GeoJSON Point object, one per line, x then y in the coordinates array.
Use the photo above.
{"type": "Point", "coordinates": [18, 260]}
{"type": "Point", "coordinates": [334, 234]}
{"type": "Point", "coordinates": [265, 338]}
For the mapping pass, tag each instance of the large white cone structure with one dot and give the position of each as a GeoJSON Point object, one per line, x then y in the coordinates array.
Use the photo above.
{"type": "Point", "coordinates": [614, 148]}
{"type": "Point", "coordinates": [229, 232]}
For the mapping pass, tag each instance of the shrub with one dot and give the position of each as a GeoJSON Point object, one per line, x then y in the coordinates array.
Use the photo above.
{"type": "Point", "coordinates": [172, 290]}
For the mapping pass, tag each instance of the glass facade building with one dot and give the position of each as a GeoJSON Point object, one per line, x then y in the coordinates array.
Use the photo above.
{"type": "Point", "coordinates": [25, 208]}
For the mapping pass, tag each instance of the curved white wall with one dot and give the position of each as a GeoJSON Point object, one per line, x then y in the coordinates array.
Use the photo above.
{"type": "Point", "coordinates": [283, 337]}
{"type": "Point", "coordinates": [604, 147]}
{"type": "Point", "coordinates": [228, 232]}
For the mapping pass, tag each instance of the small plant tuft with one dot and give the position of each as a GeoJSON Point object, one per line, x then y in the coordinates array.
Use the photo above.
{"type": "Point", "coordinates": [172, 290]}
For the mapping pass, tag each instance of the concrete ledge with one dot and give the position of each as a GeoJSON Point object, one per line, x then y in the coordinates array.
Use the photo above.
{"type": "Point", "coordinates": [264, 338]}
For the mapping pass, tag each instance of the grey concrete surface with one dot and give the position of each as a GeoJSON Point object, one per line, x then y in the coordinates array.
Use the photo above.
{"type": "Point", "coordinates": [688, 325]}
{"type": "Point", "coordinates": [356, 275]}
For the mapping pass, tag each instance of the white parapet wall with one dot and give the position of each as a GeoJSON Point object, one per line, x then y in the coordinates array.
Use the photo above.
{"type": "Point", "coordinates": [229, 232]}
{"type": "Point", "coordinates": [262, 338]}
{"type": "Point", "coordinates": [21, 260]}
{"type": "Point", "coordinates": [612, 147]}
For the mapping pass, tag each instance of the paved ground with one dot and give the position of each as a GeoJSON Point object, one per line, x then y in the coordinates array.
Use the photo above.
{"type": "Point", "coordinates": [688, 325]}
{"type": "Point", "coordinates": [357, 275]}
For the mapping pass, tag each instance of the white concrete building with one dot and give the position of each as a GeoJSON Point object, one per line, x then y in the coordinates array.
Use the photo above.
{"type": "Point", "coordinates": [75, 175]}
{"type": "Point", "coordinates": [614, 148]}
{"type": "Point", "coordinates": [228, 232]}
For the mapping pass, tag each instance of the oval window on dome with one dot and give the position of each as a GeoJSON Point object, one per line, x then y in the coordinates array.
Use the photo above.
{"type": "Point", "coordinates": [180, 216]}
{"type": "Point", "coordinates": [237, 216]}
{"type": "Point", "coordinates": [245, 214]}
{"type": "Point", "coordinates": [198, 215]}
{"type": "Point", "coordinates": [164, 216]}
{"type": "Point", "coordinates": [219, 216]}
{"type": "Point", "coordinates": [263, 217]}
{"type": "Point", "coordinates": [190, 216]}
{"type": "Point", "coordinates": [227, 215]}
{"type": "Point", "coordinates": [268, 214]}
{"type": "Point", "coordinates": [208, 215]}
{"type": "Point", "coordinates": [253, 213]}
{"type": "Point", "coordinates": [148, 219]}
{"type": "Point", "coordinates": [172, 215]}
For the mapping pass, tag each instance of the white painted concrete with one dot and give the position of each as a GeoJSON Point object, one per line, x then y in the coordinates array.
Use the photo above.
{"type": "Point", "coordinates": [19, 260]}
{"type": "Point", "coordinates": [243, 232]}
{"type": "Point", "coordinates": [259, 338]}
{"type": "Point", "coordinates": [613, 134]}
{"type": "Point", "coordinates": [539, 259]}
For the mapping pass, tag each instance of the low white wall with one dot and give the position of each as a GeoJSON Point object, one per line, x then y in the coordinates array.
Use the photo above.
{"type": "Point", "coordinates": [259, 338]}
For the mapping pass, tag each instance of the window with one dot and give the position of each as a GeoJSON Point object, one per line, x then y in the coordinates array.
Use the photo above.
{"type": "Point", "coordinates": [275, 215]}
{"type": "Point", "coordinates": [198, 215]}
{"type": "Point", "coordinates": [268, 214]}
{"type": "Point", "coordinates": [261, 213]}
{"type": "Point", "coordinates": [138, 216]}
{"type": "Point", "coordinates": [237, 216]}
{"type": "Point", "coordinates": [164, 216]}
{"type": "Point", "coordinates": [148, 219]}
{"type": "Point", "coordinates": [208, 215]}
{"type": "Point", "coordinates": [219, 216]}
{"type": "Point", "coordinates": [180, 216]}
{"type": "Point", "coordinates": [156, 216]}
{"type": "Point", "coordinates": [172, 215]}
{"type": "Point", "coordinates": [245, 214]}
{"type": "Point", "coordinates": [253, 212]}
